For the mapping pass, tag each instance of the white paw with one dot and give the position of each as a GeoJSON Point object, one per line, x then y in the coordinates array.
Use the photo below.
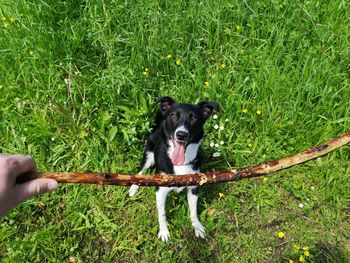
{"type": "Point", "coordinates": [164, 235]}
{"type": "Point", "coordinates": [133, 190]}
{"type": "Point", "coordinates": [199, 229]}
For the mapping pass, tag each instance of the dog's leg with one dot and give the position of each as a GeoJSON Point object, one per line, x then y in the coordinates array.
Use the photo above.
{"type": "Point", "coordinates": [161, 196]}
{"type": "Point", "coordinates": [192, 198]}
{"type": "Point", "coordinates": [147, 162]}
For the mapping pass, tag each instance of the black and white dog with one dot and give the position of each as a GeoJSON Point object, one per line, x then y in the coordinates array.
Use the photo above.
{"type": "Point", "coordinates": [173, 149]}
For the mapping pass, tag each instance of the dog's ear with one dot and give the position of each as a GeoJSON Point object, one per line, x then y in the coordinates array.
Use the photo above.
{"type": "Point", "coordinates": [165, 103]}
{"type": "Point", "coordinates": [206, 108]}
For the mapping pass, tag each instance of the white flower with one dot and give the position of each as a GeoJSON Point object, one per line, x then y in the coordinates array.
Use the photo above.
{"type": "Point", "coordinates": [216, 154]}
{"type": "Point", "coordinates": [216, 145]}
{"type": "Point", "coordinates": [221, 128]}
{"type": "Point", "coordinates": [211, 144]}
{"type": "Point", "coordinates": [53, 139]}
{"type": "Point", "coordinates": [222, 142]}
{"type": "Point", "coordinates": [215, 116]}
{"type": "Point", "coordinates": [216, 126]}
{"type": "Point", "coordinates": [226, 120]}
{"type": "Point", "coordinates": [312, 188]}
{"type": "Point", "coordinates": [301, 205]}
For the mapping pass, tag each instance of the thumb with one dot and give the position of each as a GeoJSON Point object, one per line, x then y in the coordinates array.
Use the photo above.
{"type": "Point", "coordinates": [35, 187]}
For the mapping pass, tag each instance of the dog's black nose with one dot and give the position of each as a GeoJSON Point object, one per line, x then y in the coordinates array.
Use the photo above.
{"type": "Point", "coordinates": [181, 135]}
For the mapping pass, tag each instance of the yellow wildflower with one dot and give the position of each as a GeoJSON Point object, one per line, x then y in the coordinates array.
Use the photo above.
{"type": "Point", "coordinates": [146, 69]}
{"type": "Point", "coordinates": [307, 253]}
{"type": "Point", "coordinates": [296, 247]}
{"type": "Point", "coordinates": [301, 258]}
{"type": "Point", "coordinates": [305, 248]}
{"type": "Point", "coordinates": [169, 56]}
{"type": "Point", "coordinates": [258, 112]}
{"type": "Point", "coordinates": [178, 61]}
{"type": "Point", "coordinates": [31, 53]}
{"type": "Point", "coordinates": [280, 234]}
{"type": "Point", "coordinates": [222, 65]}
{"type": "Point", "coordinates": [238, 27]}
{"type": "Point", "coordinates": [3, 19]}
{"type": "Point", "coordinates": [291, 261]}
{"type": "Point", "coordinates": [245, 110]}
{"type": "Point", "coordinates": [265, 179]}
{"type": "Point", "coordinates": [221, 195]}
{"type": "Point", "coordinates": [12, 19]}
{"type": "Point", "coordinates": [264, 156]}
{"type": "Point", "coordinates": [206, 84]}
{"type": "Point", "coordinates": [6, 25]}
{"type": "Point", "coordinates": [250, 145]}
{"type": "Point", "coordinates": [145, 73]}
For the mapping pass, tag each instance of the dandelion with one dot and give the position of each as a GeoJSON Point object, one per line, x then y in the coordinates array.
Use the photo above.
{"type": "Point", "coordinates": [178, 62]}
{"type": "Point", "coordinates": [6, 25]}
{"type": "Point", "coordinates": [216, 154]}
{"type": "Point", "coordinates": [221, 128]}
{"type": "Point", "coordinates": [221, 195]}
{"type": "Point", "coordinates": [215, 116]}
{"type": "Point", "coordinates": [305, 248]}
{"type": "Point", "coordinates": [212, 144]}
{"type": "Point", "coordinates": [301, 258]}
{"type": "Point", "coordinates": [222, 142]}
{"type": "Point", "coordinates": [222, 65]}
{"type": "Point", "coordinates": [145, 73]}
{"type": "Point", "coordinates": [12, 19]}
{"type": "Point", "coordinates": [280, 235]}
{"type": "Point", "coordinates": [216, 126]}
{"type": "Point", "coordinates": [291, 261]}
{"type": "Point", "coordinates": [307, 253]}
{"type": "Point", "coordinates": [169, 56]}
{"type": "Point", "coordinates": [258, 112]}
{"type": "Point", "coordinates": [238, 27]}
{"type": "Point", "coordinates": [206, 84]}
{"type": "Point", "coordinates": [3, 19]}
{"type": "Point", "coordinates": [301, 205]}
{"type": "Point", "coordinates": [245, 110]}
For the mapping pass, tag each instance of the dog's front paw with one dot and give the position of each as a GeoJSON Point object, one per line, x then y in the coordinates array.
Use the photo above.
{"type": "Point", "coordinates": [199, 229]}
{"type": "Point", "coordinates": [133, 190]}
{"type": "Point", "coordinates": [164, 235]}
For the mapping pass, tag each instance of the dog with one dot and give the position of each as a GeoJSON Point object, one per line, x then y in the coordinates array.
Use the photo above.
{"type": "Point", "coordinates": [172, 148]}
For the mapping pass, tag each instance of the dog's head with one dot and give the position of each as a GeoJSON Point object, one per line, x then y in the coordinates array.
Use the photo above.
{"type": "Point", "coordinates": [183, 123]}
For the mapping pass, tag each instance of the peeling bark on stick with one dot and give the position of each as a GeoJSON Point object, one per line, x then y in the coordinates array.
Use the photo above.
{"type": "Point", "coordinates": [194, 179]}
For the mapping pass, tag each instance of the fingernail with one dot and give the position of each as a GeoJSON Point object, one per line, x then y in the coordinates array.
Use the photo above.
{"type": "Point", "coordinates": [52, 185]}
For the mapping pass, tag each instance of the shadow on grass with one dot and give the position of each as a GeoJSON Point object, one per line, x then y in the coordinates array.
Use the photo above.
{"type": "Point", "coordinates": [329, 253]}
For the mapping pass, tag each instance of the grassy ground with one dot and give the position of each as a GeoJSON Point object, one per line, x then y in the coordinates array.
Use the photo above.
{"type": "Point", "coordinates": [77, 84]}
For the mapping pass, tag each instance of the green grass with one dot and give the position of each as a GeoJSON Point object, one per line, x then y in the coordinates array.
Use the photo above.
{"type": "Point", "coordinates": [74, 96]}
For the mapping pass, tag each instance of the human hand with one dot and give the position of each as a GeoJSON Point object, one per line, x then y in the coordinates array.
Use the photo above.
{"type": "Point", "coordinates": [11, 193]}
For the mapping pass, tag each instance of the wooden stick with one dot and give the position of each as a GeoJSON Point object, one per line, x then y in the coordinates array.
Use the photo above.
{"type": "Point", "coordinates": [194, 179]}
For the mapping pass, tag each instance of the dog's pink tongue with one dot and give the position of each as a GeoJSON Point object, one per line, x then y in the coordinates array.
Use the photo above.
{"type": "Point", "coordinates": [178, 157]}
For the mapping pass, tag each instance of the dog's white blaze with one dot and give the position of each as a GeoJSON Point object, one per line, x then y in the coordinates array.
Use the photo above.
{"type": "Point", "coordinates": [181, 128]}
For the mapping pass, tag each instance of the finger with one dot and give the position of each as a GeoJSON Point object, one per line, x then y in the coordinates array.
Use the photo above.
{"type": "Point", "coordinates": [34, 187]}
{"type": "Point", "coordinates": [14, 165]}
